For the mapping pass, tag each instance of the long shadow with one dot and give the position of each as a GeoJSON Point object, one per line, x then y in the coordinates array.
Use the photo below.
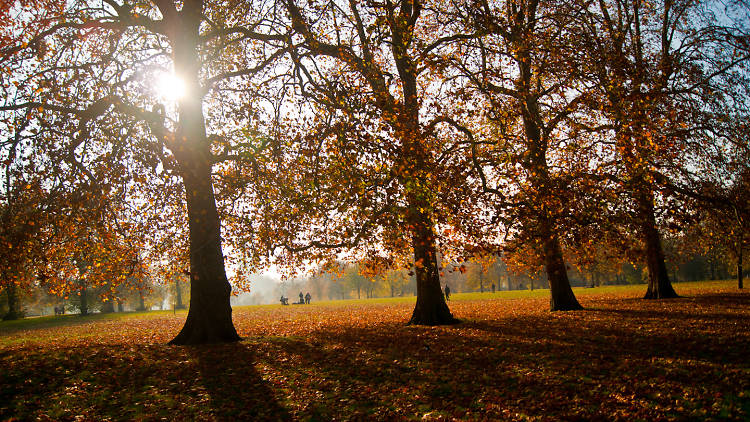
{"type": "Point", "coordinates": [134, 382]}
{"type": "Point", "coordinates": [93, 381]}
{"type": "Point", "coordinates": [638, 333]}
{"type": "Point", "coordinates": [369, 368]}
{"type": "Point", "coordinates": [236, 389]}
{"type": "Point", "coordinates": [537, 364]}
{"type": "Point", "coordinates": [434, 372]}
{"type": "Point", "coordinates": [668, 315]}
{"type": "Point", "coordinates": [589, 365]}
{"type": "Point", "coordinates": [707, 297]}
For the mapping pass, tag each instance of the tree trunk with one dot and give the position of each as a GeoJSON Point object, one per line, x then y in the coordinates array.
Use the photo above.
{"type": "Point", "coordinates": [431, 308]}
{"type": "Point", "coordinates": [209, 318]}
{"type": "Point", "coordinates": [178, 293]}
{"type": "Point", "coordinates": [108, 307]}
{"type": "Point", "coordinates": [659, 286]}
{"type": "Point", "coordinates": [561, 294]}
{"type": "Point", "coordinates": [739, 265]}
{"type": "Point", "coordinates": [13, 312]}
{"type": "Point", "coordinates": [141, 303]}
{"type": "Point", "coordinates": [84, 300]}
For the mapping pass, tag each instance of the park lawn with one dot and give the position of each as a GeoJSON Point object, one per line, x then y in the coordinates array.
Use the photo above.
{"type": "Point", "coordinates": [510, 359]}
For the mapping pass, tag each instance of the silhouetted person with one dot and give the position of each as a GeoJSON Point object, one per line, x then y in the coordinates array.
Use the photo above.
{"type": "Point", "coordinates": [307, 298]}
{"type": "Point", "coordinates": [447, 292]}
{"type": "Point", "coordinates": [301, 298]}
{"type": "Point", "coordinates": [284, 300]}
{"type": "Point", "coordinates": [493, 287]}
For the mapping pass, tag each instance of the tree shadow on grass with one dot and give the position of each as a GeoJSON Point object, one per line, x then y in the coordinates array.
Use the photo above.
{"type": "Point", "coordinates": [236, 389]}
{"type": "Point", "coordinates": [618, 361]}
{"type": "Point", "coordinates": [704, 328]}
{"type": "Point", "coordinates": [610, 363]}
{"type": "Point", "coordinates": [445, 374]}
{"type": "Point", "coordinates": [386, 373]}
{"type": "Point", "coordinates": [741, 299]}
{"type": "Point", "coordinates": [134, 382]}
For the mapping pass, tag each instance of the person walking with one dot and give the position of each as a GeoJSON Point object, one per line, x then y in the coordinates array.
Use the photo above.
{"type": "Point", "coordinates": [307, 298]}
{"type": "Point", "coordinates": [447, 292]}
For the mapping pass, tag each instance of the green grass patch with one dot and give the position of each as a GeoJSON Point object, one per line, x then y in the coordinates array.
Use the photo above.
{"type": "Point", "coordinates": [53, 321]}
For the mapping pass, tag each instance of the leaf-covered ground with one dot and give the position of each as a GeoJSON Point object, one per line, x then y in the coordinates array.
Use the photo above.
{"type": "Point", "coordinates": [621, 359]}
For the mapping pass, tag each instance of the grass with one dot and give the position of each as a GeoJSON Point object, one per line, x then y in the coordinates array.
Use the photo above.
{"type": "Point", "coordinates": [631, 290]}
{"type": "Point", "coordinates": [56, 321]}
{"type": "Point", "coordinates": [622, 359]}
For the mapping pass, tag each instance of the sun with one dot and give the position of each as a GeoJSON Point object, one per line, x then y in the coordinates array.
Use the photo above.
{"type": "Point", "coordinates": [169, 86]}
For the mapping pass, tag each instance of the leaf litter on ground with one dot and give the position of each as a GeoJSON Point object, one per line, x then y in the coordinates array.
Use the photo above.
{"type": "Point", "coordinates": [622, 358]}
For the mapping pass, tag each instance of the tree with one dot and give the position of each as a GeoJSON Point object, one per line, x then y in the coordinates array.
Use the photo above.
{"type": "Point", "coordinates": [23, 210]}
{"type": "Point", "coordinates": [396, 281]}
{"type": "Point", "coordinates": [88, 68]}
{"type": "Point", "coordinates": [88, 258]}
{"type": "Point", "coordinates": [520, 69]}
{"type": "Point", "coordinates": [478, 272]}
{"type": "Point", "coordinates": [353, 278]}
{"type": "Point", "coordinates": [476, 276]}
{"type": "Point", "coordinates": [726, 222]}
{"type": "Point", "coordinates": [525, 263]}
{"type": "Point", "coordinates": [319, 282]}
{"type": "Point", "coordinates": [657, 67]}
{"type": "Point", "coordinates": [178, 303]}
{"type": "Point", "coordinates": [364, 71]}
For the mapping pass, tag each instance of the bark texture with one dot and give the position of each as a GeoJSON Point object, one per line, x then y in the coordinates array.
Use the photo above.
{"type": "Point", "coordinates": [84, 300]}
{"type": "Point", "coordinates": [209, 318]}
{"type": "Point", "coordinates": [739, 266]}
{"type": "Point", "coordinates": [12, 296]}
{"type": "Point", "coordinates": [431, 308]}
{"type": "Point", "coordinates": [537, 141]}
{"type": "Point", "coordinates": [178, 293]}
{"type": "Point", "coordinates": [659, 286]}
{"type": "Point", "coordinates": [561, 294]}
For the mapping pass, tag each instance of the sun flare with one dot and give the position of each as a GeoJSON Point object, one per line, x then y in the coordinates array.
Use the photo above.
{"type": "Point", "coordinates": [170, 86]}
